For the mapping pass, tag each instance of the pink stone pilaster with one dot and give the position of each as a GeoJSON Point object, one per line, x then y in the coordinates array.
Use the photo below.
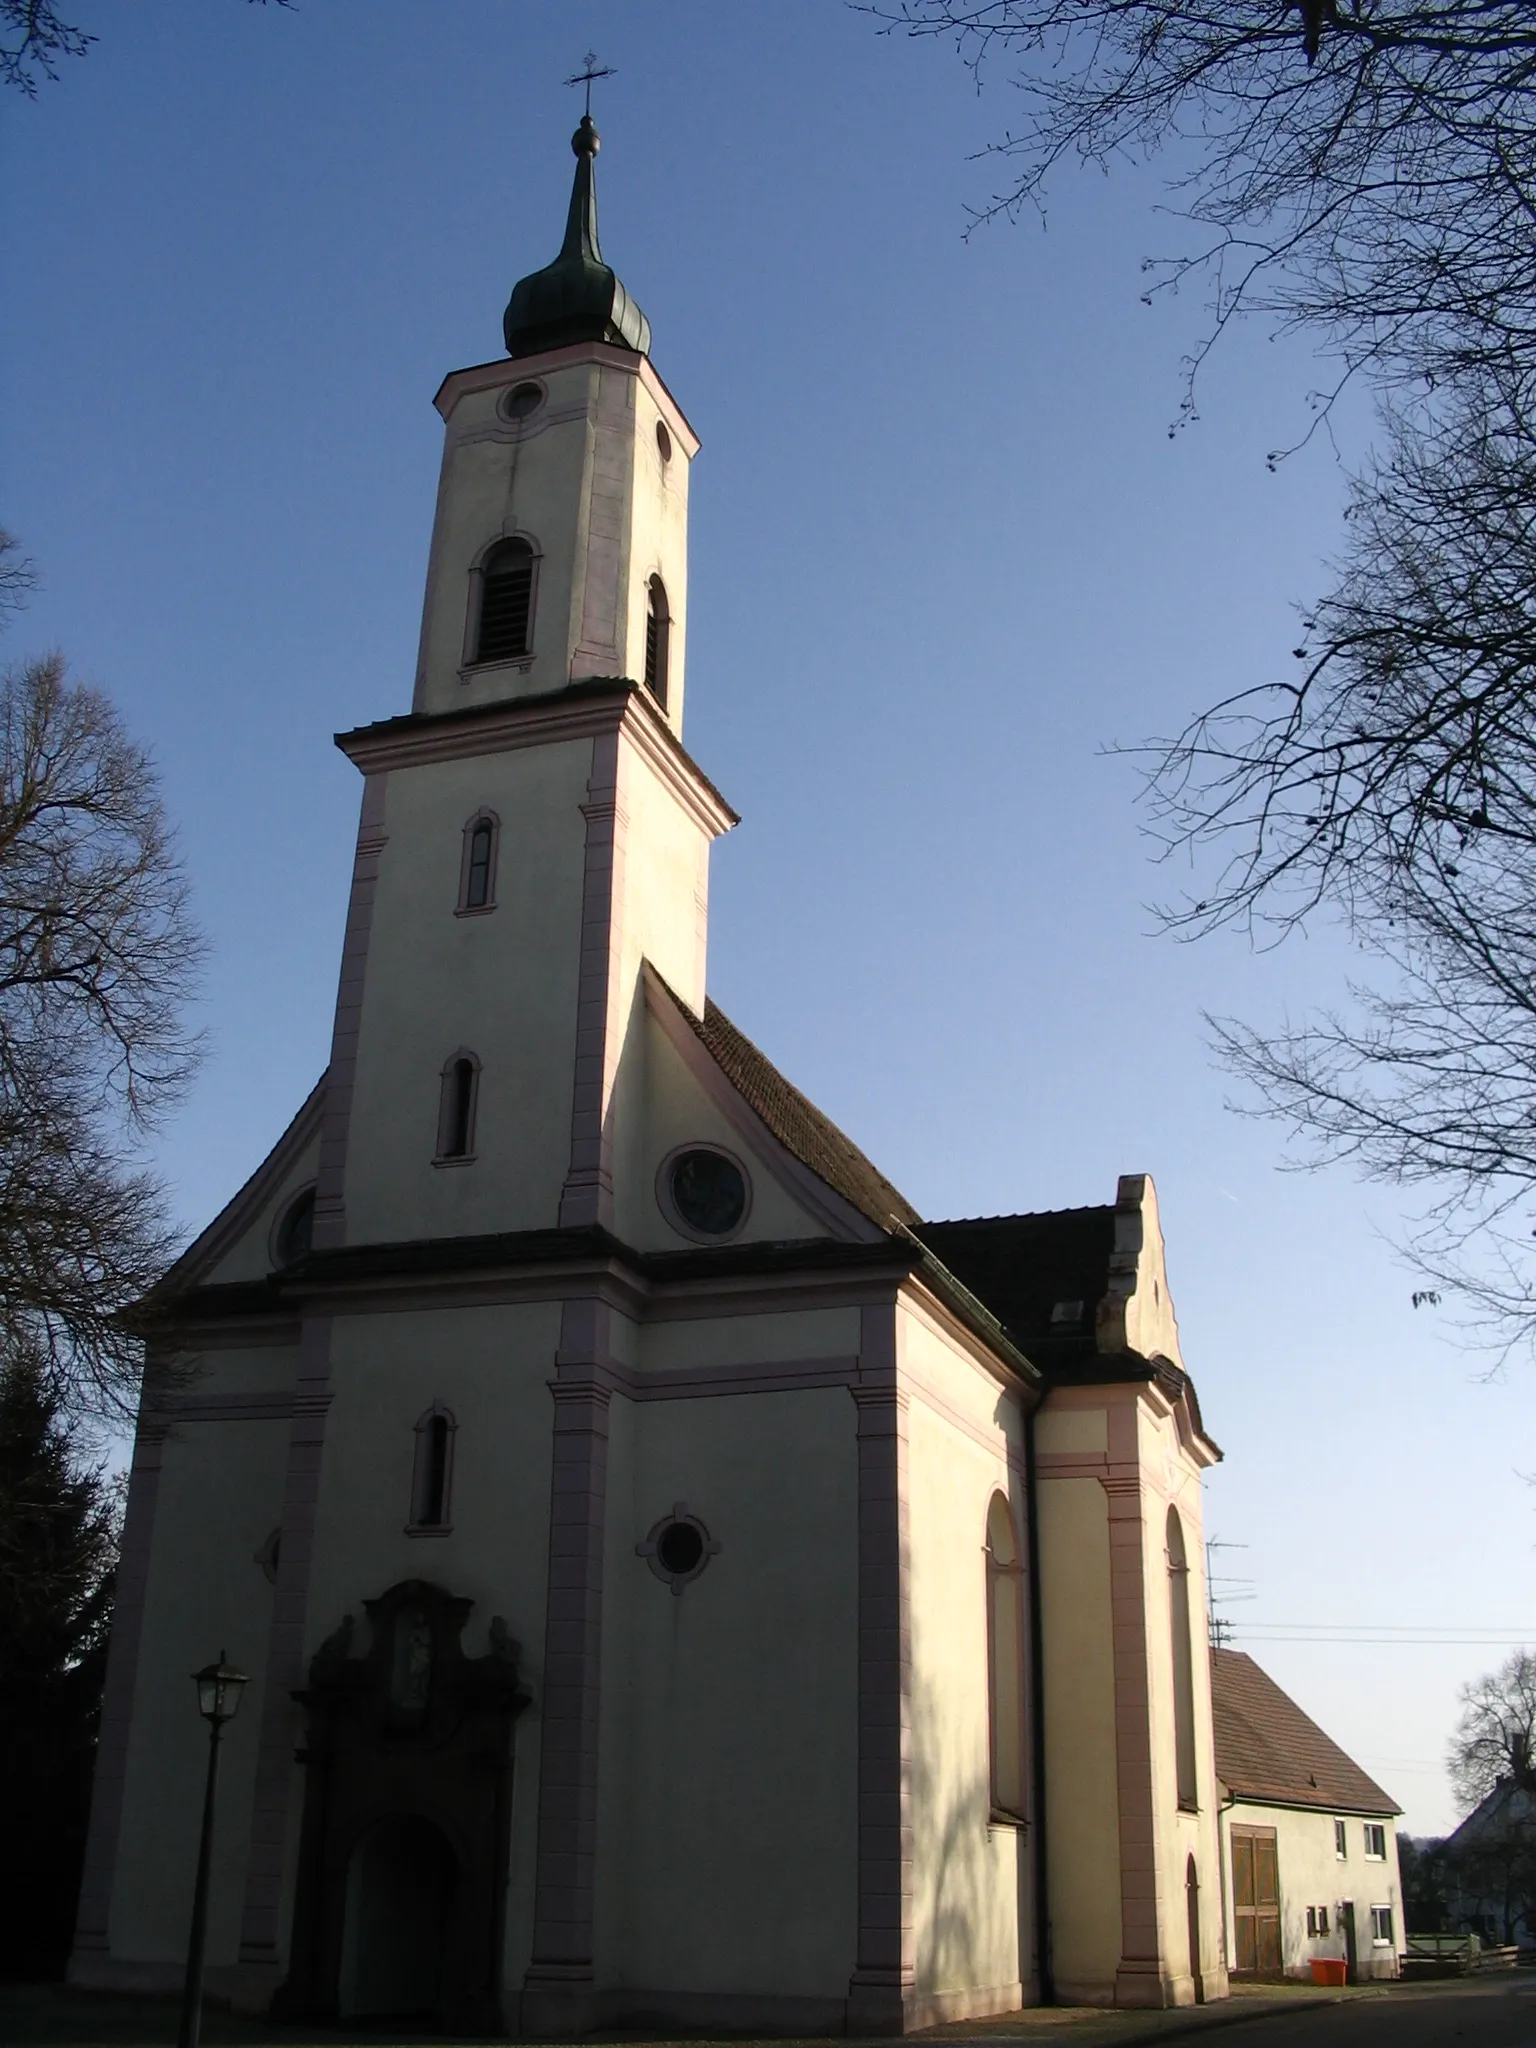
{"type": "Point", "coordinates": [880, 1988]}
{"type": "Point", "coordinates": [559, 1989]}
{"type": "Point", "coordinates": [587, 1196]}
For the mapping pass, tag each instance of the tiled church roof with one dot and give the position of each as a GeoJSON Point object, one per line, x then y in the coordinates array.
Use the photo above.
{"type": "Point", "coordinates": [1268, 1749]}
{"type": "Point", "coordinates": [1027, 1267]}
{"type": "Point", "coordinates": [798, 1124]}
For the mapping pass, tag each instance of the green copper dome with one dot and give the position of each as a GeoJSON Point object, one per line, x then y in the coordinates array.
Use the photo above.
{"type": "Point", "coordinates": [577, 297]}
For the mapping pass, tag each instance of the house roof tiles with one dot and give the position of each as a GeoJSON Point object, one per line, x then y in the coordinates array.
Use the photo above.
{"type": "Point", "coordinates": [1267, 1749]}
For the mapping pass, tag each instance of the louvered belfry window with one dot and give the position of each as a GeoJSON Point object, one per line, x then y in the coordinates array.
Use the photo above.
{"type": "Point", "coordinates": [658, 626]}
{"type": "Point", "coordinates": [506, 603]}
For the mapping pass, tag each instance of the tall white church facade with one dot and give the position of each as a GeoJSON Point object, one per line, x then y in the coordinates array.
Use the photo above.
{"type": "Point", "coordinates": [679, 1584]}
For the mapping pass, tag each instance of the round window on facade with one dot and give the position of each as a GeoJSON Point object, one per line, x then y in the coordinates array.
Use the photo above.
{"type": "Point", "coordinates": [521, 400]}
{"type": "Point", "coordinates": [663, 441]}
{"type": "Point", "coordinates": [295, 1232]}
{"type": "Point", "coordinates": [705, 1193]}
{"type": "Point", "coordinates": [678, 1547]}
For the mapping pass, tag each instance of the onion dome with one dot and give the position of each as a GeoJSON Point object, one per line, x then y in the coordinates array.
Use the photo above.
{"type": "Point", "coordinates": [577, 297]}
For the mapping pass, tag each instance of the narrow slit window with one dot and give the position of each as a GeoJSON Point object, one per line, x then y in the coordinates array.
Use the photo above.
{"type": "Point", "coordinates": [1186, 1776]}
{"type": "Point", "coordinates": [1005, 1660]}
{"type": "Point", "coordinates": [477, 867]}
{"type": "Point", "coordinates": [432, 1480]}
{"type": "Point", "coordinates": [505, 626]}
{"type": "Point", "coordinates": [456, 1114]}
{"type": "Point", "coordinates": [658, 635]}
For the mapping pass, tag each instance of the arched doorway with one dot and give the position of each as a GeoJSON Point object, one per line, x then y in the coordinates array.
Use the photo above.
{"type": "Point", "coordinates": [1192, 1911]}
{"type": "Point", "coordinates": [401, 1882]}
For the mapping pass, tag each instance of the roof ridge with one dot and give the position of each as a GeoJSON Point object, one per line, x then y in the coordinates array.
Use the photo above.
{"type": "Point", "coordinates": [1024, 1215]}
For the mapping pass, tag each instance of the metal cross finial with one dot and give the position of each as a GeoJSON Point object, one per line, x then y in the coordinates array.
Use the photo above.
{"type": "Point", "coordinates": [593, 70]}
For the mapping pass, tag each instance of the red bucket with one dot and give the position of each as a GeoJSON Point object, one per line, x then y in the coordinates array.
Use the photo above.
{"type": "Point", "coordinates": [1329, 1970]}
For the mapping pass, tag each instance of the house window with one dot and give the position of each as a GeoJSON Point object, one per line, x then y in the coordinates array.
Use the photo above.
{"type": "Point", "coordinates": [1183, 1666]}
{"type": "Point", "coordinates": [432, 1479]}
{"type": "Point", "coordinates": [456, 1108]}
{"type": "Point", "coordinates": [658, 635]}
{"type": "Point", "coordinates": [1381, 1926]}
{"type": "Point", "coordinates": [1340, 1841]}
{"type": "Point", "coordinates": [1005, 1660]}
{"type": "Point", "coordinates": [1311, 1920]}
{"type": "Point", "coordinates": [1322, 1919]}
{"type": "Point", "coordinates": [1375, 1842]}
{"type": "Point", "coordinates": [477, 867]}
{"type": "Point", "coordinates": [504, 624]}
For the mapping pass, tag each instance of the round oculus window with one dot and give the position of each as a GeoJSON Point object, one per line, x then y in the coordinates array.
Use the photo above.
{"type": "Point", "coordinates": [663, 441]}
{"type": "Point", "coordinates": [522, 400]}
{"type": "Point", "coordinates": [678, 1547]}
{"type": "Point", "coordinates": [708, 1191]}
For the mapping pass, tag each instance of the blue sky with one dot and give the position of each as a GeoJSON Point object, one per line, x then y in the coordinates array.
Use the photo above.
{"type": "Point", "coordinates": [945, 553]}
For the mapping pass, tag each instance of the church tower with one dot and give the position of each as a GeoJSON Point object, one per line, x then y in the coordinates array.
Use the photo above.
{"type": "Point", "coordinates": [537, 792]}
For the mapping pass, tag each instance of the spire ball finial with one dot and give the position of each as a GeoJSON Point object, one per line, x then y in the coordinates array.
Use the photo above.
{"type": "Point", "coordinates": [586, 141]}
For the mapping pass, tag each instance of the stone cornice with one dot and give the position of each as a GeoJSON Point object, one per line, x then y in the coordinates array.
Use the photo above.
{"type": "Point", "coordinates": [584, 709]}
{"type": "Point", "coordinates": [520, 369]}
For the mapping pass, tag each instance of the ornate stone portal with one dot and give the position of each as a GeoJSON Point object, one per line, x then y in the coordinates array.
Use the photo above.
{"type": "Point", "coordinates": [403, 1854]}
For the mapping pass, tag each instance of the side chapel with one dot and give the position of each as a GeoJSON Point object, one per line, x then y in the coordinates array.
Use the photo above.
{"type": "Point", "coordinates": [680, 1585]}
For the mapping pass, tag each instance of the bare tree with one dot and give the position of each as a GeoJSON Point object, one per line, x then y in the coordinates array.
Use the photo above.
{"type": "Point", "coordinates": [35, 38]}
{"type": "Point", "coordinates": [98, 958]}
{"type": "Point", "coordinates": [1393, 784]}
{"type": "Point", "coordinates": [1495, 1739]}
{"type": "Point", "coordinates": [1363, 168]}
{"type": "Point", "coordinates": [1364, 171]}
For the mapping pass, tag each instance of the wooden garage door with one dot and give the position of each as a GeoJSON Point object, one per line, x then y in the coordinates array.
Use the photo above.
{"type": "Point", "coordinates": [1256, 1900]}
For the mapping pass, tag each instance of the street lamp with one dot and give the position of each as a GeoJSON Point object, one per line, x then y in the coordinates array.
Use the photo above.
{"type": "Point", "coordinates": [218, 1700]}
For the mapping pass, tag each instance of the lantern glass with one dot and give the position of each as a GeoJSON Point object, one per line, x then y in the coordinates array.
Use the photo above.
{"type": "Point", "coordinates": [218, 1690]}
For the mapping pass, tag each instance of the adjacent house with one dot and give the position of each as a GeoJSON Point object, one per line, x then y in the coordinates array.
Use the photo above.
{"type": "Point", "coordinates": [1308, 1841]}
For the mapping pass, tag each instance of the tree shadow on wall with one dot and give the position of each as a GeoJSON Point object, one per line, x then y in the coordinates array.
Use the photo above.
{"type": "Point", "coordinates": [971, 1938]}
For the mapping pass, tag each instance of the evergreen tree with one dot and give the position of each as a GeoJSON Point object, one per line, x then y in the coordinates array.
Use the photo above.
{"type": "Point", "coordinates": [58, 1541]}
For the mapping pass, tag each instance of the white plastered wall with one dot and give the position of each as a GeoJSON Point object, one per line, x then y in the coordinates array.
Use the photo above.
{"type": "Point", "coordinates": [219, 1498]}
{"type": "Point", "coordinates": [503, 984]}
{"type": "Point", "coordinates": [972, 1912]}
{"type": "Point", "coordinates": [1313, 1874]}
{"type": "Point", "coordinates": [727, 1817]}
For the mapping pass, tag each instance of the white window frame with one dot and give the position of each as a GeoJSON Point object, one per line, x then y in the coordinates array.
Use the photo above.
{"type": "Point", "coordinates": [1375, 1831]}
{"type": "Point", "coordinates": [1378, 1939]}
{"type": "Point", "coordinates": [1340, 1840]}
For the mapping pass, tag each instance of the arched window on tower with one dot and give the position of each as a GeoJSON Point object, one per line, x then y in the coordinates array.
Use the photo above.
{"type": "Point", "coordinates": [1005, 1659]}
{"type": "Point", "coordinates": [456, 1108]}
{"type": "Point", "coordinates": [477, 866]}
{"type": "Point", "coordinates": [504, 617]}
{"type": "Point", "coordinates": [658, 636]}
{"type": "Point", "coordinates": [1183, 1666]}
{"type": "Point", "coordinates": [432, 1479]}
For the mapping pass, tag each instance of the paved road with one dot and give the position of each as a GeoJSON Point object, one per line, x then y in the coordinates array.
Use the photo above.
{"type": "Point", "coordinates": [1498, 2014]}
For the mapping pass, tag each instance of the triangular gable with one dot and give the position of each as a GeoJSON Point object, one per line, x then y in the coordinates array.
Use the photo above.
{"type": "Point", "coordinates": [824, 1170]}
{"type": "Point", "coordinates": [245, 1209]}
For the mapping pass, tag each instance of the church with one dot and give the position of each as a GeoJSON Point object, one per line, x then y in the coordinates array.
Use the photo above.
{"type": "Point", "coordinates": [679, 1584]}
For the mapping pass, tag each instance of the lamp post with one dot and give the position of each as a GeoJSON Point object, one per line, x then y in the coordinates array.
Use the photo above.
{"type": "Point", "coordinates": [218, 1700]}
